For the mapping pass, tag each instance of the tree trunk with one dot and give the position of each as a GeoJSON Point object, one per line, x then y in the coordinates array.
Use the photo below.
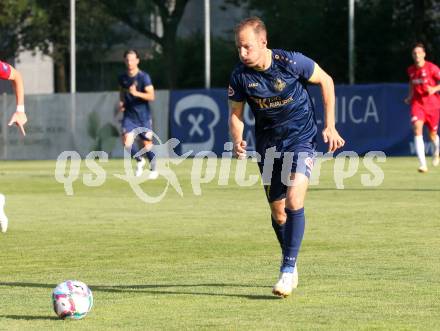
{"type": "Point", "coordinates": [419, 19]}
{"type": "Point", "coordinates": [170, 53]}
{"type": "Point", "coordinates": [60, 77]}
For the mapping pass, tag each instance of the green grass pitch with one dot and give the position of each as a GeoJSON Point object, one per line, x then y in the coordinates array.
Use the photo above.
{"type": "Point", "coordinates": [370, 258]}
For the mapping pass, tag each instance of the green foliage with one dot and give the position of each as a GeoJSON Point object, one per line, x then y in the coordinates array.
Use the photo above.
{"type": "Point", "coordinates": [45, 24]}
{"type": "Point", "coordinates": [105, 136]}
{"type": "Point", "coordinates": [383, 48]}
{"type": "Point", "coordinates": [15, 18]}
{"type": "Point", "coordinates": [52, 34]}
{"type": "Point", "coordinates": [190, 63]}
{"type": "Point", "coordinates": [93, 125]}
{"type": "Point", "coordinates": [316, 28]}
{"type": "Point", "coordinates": [96, 30]}
{"type": "Point", "coordinates": [224, 58]}
{"type": "Point", "coordinates": [384, 33]}
{"type": "Point", "coordinates": [189, 66]}
{"type": "Point", "coordinates": [138, 17]}
{"type": "Point", "coordinates": [108, 136]}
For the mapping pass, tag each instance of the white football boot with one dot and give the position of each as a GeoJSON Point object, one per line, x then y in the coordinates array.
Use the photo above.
{"type": "Point", "coordinates": [422, 169]}
{"type": "Point", "coordinates": [435, 160]}
{"type": "Point", "coordinates": [153, 174]}
{"type": "Point", "coordinates": [3, 218]}
{"type": "Point", "coordinates": [286, 283]}
{"type": "Point", "coordinates": [140, 167]}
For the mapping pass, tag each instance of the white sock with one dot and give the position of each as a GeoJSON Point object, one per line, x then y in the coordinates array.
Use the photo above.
{"type": "Point", "coordinates": [420, 150]}
{"type": "Point", "coordinates": [2, 204]}
{"type": "Point", "coordinates": [436, 143]}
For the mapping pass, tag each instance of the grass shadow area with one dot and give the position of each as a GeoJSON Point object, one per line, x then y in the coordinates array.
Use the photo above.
{"type": "Point", "coordinates": [29, 317]}
{"type": "Point", "coordinates": [162, 289]}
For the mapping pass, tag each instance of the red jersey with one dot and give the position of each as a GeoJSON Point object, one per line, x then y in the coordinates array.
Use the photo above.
{"type": "Point", "coordinates": [420, 79]}
{"type": "Point", "coordinates": [5, 70]}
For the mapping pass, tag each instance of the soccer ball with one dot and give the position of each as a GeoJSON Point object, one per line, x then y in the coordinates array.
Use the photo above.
{"type": "Point", "coordinates": [72, 299]}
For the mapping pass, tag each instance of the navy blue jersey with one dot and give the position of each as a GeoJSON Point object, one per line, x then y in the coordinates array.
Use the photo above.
{"type": "Point", "coordinates": [136, 109]}
{"type": "Point", "coordinates": [278, 97]}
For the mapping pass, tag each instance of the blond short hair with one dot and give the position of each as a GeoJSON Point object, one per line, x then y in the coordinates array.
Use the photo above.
{"type": "Point", "coordinates": [255, 22]}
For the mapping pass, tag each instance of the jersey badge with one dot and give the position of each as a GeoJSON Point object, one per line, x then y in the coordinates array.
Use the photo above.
{"type": "Point", "coordinates": [279, 84]}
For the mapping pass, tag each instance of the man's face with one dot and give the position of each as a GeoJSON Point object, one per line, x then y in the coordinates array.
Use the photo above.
{"type": "Point", "coordinates": [251, 46]}
{"type": "Point", "coordinates": [131, 61]}
{"type": "Point", "coordinates": [418, 55]}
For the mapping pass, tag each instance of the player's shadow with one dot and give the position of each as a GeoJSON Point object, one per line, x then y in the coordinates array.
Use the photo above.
{"type": "Point", "coordinates": [29, 317]}
{"type": "Point", "coordinates": [163, 289]}
{"type": "Point", "coordinates": [391, 189]}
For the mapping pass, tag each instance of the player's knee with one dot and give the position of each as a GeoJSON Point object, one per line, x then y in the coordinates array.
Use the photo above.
{"type": "Point", "coordinates": [127, 142]}
{"type": "Point", "coordinates": [280, 219]}
{"type": "Point", "coordinates": [127, 139]}
{"type": "Point", "coordinates": [148, 145]}
{"type": "Point", "coordinates": [295, 203]}
{"type": "Point", "coordinates": [279, 216]}
{"type": "Point", "coordinates": [418, 128]}
{"type": "Point", "coordinates": [418, 132]}
{"type": "Point", "coordinates": [149, 136]}
{"type": "Point", "coordinates": [277, 210]}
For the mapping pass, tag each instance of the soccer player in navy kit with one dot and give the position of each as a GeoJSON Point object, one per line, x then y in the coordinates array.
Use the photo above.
{"type": "Point", "coordinates": [136, 90]}
{"type": "Point", "coordinates": [7, 72]}
{"type": "Point", "coordinates": [273, 83]}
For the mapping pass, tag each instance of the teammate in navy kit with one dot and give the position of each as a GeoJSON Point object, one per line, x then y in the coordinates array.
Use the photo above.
{"type": "Point", "coordinates": [273, 82]}
{"type": "Point", "coordinates": [7, 72]}
{"type": "Point", "coordinates": [136, 90]}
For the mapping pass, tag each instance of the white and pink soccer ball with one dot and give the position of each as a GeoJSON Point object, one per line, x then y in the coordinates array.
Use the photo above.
{"type": "Point", "coordinates": [72, 299]}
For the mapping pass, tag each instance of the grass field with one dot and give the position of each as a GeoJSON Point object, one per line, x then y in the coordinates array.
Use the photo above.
{"type": "Point", "coordinates": [370, 258]}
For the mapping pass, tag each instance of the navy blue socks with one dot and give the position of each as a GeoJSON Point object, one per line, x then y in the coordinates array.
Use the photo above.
{"type": "Point", "coordinates": [293, 235]}
{"type": "Point", "coordinates": [150, 155]}
{"type": "Point", "coordinates": [279, 231]}
{"type": "Point", "coordinates": [134, 150]}
{"type": "Point", "coordinates": [151, 159]}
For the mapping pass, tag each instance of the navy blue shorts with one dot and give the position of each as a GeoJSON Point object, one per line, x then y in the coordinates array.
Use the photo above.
{"type": "Point", "coordinates": [129, 124]}
{"type": "Point", "coordinates": [300, 160]}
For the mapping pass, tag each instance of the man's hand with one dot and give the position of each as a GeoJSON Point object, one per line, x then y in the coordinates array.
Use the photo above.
{"type": "Point", "coordinates": [332, 137]}
{"type": "Point", "coordinates": [121, 107]}
{"type": "Point", "coordinates": [19, 119]}
{"type": "Point", "coordinates": [132, 90]}
{"type": "Point", "coordinates": [240, 149]}
{"type": "Point", "coordinates": [432, 90]}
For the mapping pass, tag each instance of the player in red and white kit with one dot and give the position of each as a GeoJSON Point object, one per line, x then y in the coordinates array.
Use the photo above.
{"type": "Point", "coordinates": [424, 78]}
{"type": "Point", "coordinates": [7, 72]}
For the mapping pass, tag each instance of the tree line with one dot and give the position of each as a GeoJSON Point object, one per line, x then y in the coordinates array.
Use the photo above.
{"type": "Point", "coordinates": [385, 32]}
